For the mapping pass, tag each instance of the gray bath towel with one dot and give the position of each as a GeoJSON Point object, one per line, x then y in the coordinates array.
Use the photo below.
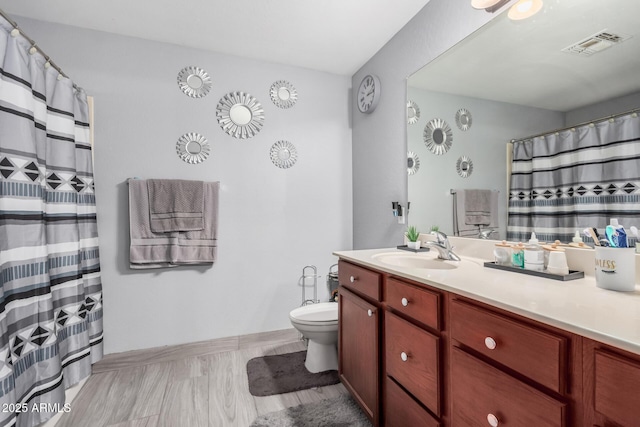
{"type": "Point", "coordinates": [477, 207]}
{"type": "Point", "coordinates": [156, 250]}
{"type": "Point", "coordinates": [175, 205]}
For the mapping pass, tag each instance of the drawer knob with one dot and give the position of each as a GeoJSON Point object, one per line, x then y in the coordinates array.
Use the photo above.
{"type": "Point", "coordinates": [404, 356]}
{"type": "Point", "coordinates": [352, 279]}
{"type": "Point", "coordinates": [490, 343]}
{"type": "Point", "coordinates": [370, 312]}
{"type": "Point", "coordinates": [405, 302]}
{"type": "Point", "coordinates": [493, 420]}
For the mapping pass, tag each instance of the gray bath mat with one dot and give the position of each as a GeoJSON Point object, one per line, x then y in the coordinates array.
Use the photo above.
{"type": "Point", "coordinates": [340, 411]}
{"type": "Point", "coordinates": [285, 373]}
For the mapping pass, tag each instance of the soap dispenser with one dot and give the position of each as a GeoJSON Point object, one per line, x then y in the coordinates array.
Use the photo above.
{"type": "Point", "coordinates": [533, 254]}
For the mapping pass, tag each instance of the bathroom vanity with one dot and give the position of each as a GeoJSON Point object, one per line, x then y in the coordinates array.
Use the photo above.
{"type": "Point", "coordinates": [467, 346]}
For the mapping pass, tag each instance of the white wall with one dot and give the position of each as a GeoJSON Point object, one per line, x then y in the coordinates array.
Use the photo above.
{"type": "Point", "coordinates": [272, 221]}
{"type": "Point", "coordinates": [493, 125]}
{"type": "Point", "coordinates": [379, 139]}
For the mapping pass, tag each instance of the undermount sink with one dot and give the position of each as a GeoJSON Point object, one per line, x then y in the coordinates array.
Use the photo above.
{"type": "Point", "coordinates": [414, 261]}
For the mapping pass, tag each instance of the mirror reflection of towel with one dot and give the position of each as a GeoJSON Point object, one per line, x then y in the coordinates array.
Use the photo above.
{"type": "Point", "coordinates": [477, 207]}
{"type": "Point", "coordinates": [460, 227]}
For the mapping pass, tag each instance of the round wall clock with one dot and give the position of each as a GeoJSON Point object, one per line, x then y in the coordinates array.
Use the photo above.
{"type": "Point", "coordinates": [368, 94]}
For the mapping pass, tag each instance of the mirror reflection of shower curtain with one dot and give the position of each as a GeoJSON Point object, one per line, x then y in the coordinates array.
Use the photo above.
{"type": "Point", "coordinates": [50, 286]}
{"type": "Point", "coordinates": [569, 180]}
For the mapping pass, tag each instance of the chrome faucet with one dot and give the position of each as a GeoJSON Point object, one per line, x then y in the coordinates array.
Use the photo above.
{"type": "Point", "coordinates": [443, 246]}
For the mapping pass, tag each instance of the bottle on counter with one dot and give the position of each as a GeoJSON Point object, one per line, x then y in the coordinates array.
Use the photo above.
{"type": "Point", "coordinates": [533, 254]}
{"type": "Point", "coordinates": [517, 255]}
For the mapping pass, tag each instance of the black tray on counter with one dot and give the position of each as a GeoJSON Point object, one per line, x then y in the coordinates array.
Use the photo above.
{"type": "Point", "coordinates": [573, 275]}
{"type": "Point", "coordinates": [407, 248]}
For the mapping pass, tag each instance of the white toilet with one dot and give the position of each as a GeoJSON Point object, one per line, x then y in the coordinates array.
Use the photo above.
{"type": "Point", "coordinates": [319, 324]}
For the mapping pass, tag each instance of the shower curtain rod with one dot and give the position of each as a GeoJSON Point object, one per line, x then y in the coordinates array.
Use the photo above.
{"type": "Point", "coordinates": [14, 24]}
{"type": "Point", "coordinates": [602, 119]}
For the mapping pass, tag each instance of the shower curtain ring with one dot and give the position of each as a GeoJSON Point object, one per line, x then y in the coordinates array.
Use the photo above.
{"type": "Point", "coordinates": [33, 50]}
{"type": "Point", "coordinates": [15, 32]}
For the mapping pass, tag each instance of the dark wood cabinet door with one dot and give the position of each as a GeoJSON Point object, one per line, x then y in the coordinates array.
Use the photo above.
{"type": "Point", "coordinates": [358, 349]}
{"type": "Point", "coordinates": [612, 386]}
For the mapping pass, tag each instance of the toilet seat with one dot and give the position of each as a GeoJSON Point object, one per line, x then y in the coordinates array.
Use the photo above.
{"type": "Point", "coordinates": [324, 313]}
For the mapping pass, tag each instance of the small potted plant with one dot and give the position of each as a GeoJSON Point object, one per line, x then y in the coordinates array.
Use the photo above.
{"type": "Point", "coordinates": [413, 237]}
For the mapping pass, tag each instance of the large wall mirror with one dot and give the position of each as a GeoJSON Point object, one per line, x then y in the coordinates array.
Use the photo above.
{"type": "Point", "coordinates": [516, 79]}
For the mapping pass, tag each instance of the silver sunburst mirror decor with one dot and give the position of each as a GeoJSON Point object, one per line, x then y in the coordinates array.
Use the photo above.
{"type": "Point", "coordinates": [464, 166]}
{"type": "Point", "coordinates": [193, 148]}
{"type": "Point", "coordinates": [283, 94]}
{"type": "Point", "coordinates": [240, 115]}
{"type": "Point", "coordinates": [463, 119]}
{"type": "Point", "coordinates": [283, 154]}
{"type": "Point", "coordinates": [413, 163]}
{"type": "Point", "coordinates": [413, 113]}
{"type": "Point", "coordinates": [438, 136]}
{"type": "Point", "coordinates": [194, 82]}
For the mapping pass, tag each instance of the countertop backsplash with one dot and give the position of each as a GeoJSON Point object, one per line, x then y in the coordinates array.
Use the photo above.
{"type": "Point", "coordinates": [578, 259]}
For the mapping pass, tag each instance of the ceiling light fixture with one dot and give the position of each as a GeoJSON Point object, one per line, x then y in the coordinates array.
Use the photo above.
{"type": "Point", "coordinates": [524, 9]}
{"type": "Point", "coordinates": [488, 5]}
{"type": "Point", "coordinates": [484, 4]}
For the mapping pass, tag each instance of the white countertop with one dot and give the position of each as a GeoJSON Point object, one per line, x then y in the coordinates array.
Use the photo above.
{"type": "Point", "coordinates": [577, 306]}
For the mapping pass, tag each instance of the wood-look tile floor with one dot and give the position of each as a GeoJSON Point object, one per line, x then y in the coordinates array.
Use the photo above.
{"type": "Point", "coordinates": [209, 390]}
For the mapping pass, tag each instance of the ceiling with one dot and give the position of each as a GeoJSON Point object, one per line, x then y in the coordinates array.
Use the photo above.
{"type": "Point", "coordinates": [523, 62]}
{"type": "Point", "coordinates": [335, 36]}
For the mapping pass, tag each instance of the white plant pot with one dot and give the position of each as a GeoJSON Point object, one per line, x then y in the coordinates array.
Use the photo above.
{"type": "Point", "coordinates": [413, 245]}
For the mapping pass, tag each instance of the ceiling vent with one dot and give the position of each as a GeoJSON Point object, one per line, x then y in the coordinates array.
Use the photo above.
{"type": "Point", "coordinates": [596, 43]}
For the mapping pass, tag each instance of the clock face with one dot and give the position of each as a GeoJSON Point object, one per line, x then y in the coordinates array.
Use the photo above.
{"type": "Point", "coordinates": [368, 94]}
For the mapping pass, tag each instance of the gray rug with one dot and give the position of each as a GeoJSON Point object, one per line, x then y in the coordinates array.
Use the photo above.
{"type": "Point", "coordinates": [284, 373]}
{"type": "Point", "coordinates": [340, 411]}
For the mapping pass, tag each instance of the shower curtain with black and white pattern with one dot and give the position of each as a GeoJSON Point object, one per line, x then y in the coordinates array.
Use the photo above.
{"type": "Point", "coordinates": [50, 288]}
{"type": "Point", "coordinates": [566, 181]}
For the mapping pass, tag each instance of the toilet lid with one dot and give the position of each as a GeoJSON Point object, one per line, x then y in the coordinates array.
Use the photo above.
{"type": "Point", "coordinates": [321, 312]}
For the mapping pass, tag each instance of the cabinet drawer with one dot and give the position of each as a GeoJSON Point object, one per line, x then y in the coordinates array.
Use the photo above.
{"type": "Point", "coordinates": [617, 388]}
{"type": "Point", "coordinates": [401, 410]}
{"type": "Point", "coordinates": [412, 360]}
{"type": "Point", "coordinates": [359, 279]}
{"type": "Point", "coordinates": [418, 303]}
{"type": "Point", "coordinates": [534, 353]}
{"type": "Point", "coordinates": [480, 392]}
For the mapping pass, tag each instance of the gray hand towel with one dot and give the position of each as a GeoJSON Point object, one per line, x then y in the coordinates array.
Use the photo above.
{"type": "Point", "coordinates": [175, 205]}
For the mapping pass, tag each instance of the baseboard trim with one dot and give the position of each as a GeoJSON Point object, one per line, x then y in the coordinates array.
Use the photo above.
{"type": "Point", "coordinates": [127, 359]}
